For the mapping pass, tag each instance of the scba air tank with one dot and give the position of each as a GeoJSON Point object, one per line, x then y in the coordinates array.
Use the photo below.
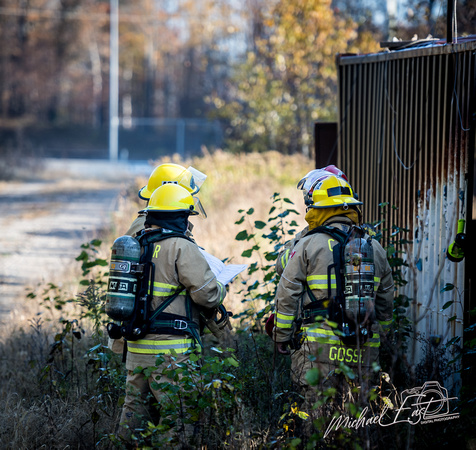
{"type": "Point", "coordinates": [122, 285]}
{"type": "Point", "coordinates": [359, 271]}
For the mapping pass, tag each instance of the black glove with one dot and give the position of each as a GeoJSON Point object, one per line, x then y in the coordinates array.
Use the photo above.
{"type": "Point", "coordinates": [283, 348]}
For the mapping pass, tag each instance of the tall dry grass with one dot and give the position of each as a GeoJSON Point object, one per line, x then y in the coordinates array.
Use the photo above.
{"type": "Point", "coordinates": [233, 182]}
{"type": "Point", "coordinates": [242, 182]}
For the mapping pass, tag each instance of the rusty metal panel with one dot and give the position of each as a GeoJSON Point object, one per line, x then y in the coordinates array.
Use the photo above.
{"type": "Point", "coordinates": [405, 129]}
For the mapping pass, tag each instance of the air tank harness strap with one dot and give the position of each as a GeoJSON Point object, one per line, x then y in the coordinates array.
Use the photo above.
{"type": "Point", "coordinates": [167, 323]}
{"type": "Point", "coordinates": [334, 232]}
{"type": "Point", "coordinates": [313, 309]}
{"type": "Point", "coordinates": [172, 324]}
{"type": "Point", "coordinates": [316, 307]}
{"type": "Point", "coordinates": [160, 322]}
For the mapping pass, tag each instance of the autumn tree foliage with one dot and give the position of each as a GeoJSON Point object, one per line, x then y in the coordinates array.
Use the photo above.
{"type": "Point", "coordinates": [56, 64]}
{"type": "Point", "coordinates": [39, 57]}
{"type": "Point", "coordinates": [288, 80]}
{"type": "Point", "coordinates": [265, 68]}
{"type": "Point", "coordinates": [54, 70]}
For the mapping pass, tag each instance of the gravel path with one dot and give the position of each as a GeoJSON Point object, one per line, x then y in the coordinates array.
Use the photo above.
{"type": "Point", "coordinates": [44, 222]}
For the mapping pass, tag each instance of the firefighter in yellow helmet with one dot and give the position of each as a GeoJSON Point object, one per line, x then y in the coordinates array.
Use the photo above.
{"type": "Point", "coordinates": [169, 173]}
{"type": "Point", "coordinates": [190, 179]}
{"type": "Point", "coordinates": [306, 289]}
{"type": "Point", "coordinates": [182, 280]}
{"type": "Point", "coordinates": [307, 185]}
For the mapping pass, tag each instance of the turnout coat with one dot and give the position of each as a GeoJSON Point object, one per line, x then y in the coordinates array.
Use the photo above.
{"type": "Point", "coordinates": [180, 268]}
{"type": "Point", "coordinates": [307, 268]}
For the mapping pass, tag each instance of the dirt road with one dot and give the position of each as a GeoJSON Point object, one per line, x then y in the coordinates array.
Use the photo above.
{"type": "Point", "coordinates": [44, 222]}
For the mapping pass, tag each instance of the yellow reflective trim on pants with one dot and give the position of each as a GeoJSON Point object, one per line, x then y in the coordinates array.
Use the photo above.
{"type": "Point", "coordinates": [373, 341]}
{"type": "Point", "coordinates": [324, 336]}
{"type": "Point", "coordinates": [385, 323]}
{"type": "Point", "coordinates": [165, 346]}
{"type": "Point", "coordinates": [321, 335]}
{"type": "Point", "coordinates": [284, 320]}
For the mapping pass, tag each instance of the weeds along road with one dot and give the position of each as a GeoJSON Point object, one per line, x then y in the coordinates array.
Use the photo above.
{"type": "Point", "coordinates": [43, 222]}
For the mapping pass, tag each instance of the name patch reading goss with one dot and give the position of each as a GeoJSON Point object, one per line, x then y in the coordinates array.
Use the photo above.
{"type": "Point", "coordinates": [344, 354]}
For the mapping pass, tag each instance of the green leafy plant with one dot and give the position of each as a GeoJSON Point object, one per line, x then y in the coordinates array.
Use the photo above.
{"type": "Point", "coordinates": [78, 363]}
{"type": "Point", "coordinates": [267, 239]}
{"type": "Point", "coordinates": [199, 401]}
{"type": "Point", "coordinates": [89, 260]}
{"type": "Point", "coordinates": [393, 240]}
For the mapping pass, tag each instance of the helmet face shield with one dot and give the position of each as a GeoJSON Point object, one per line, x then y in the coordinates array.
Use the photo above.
{"type": "Point", "coordinates": [199, 209]}
{"type": "Point", "coordinates": [309, 181]}
{"type": "Point", "coordinates": [197, 179]}
{"type": "Point", "coordinates": [311, 178]}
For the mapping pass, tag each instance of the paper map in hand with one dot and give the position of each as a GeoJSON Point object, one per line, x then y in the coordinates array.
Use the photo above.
{"type": "Point", "coordinates": [225, 273]}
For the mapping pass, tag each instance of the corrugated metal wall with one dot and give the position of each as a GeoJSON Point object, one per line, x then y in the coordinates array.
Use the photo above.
{"type": "Point", "coordinates": [405, 131]}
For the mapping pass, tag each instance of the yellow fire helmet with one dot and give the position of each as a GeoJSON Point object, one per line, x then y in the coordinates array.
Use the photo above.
{"type": "Point", "coordinates": [191, 179]}
{"type": "Point", "coordinates": [171, 198]}
{"type": "Point", "coordinates": [333, 192]}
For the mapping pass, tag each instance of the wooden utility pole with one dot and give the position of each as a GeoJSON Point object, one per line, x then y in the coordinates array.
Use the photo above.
{"type": "Point", "coordinates": [114, 80]}
{"type": "Point", "coordinates": [449, 20]}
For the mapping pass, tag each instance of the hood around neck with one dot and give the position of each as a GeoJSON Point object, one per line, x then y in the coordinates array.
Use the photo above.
{"type": "Point", "coordinates": [323, 216]}
{"type": "Point", "coordinates": [176, 221]}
